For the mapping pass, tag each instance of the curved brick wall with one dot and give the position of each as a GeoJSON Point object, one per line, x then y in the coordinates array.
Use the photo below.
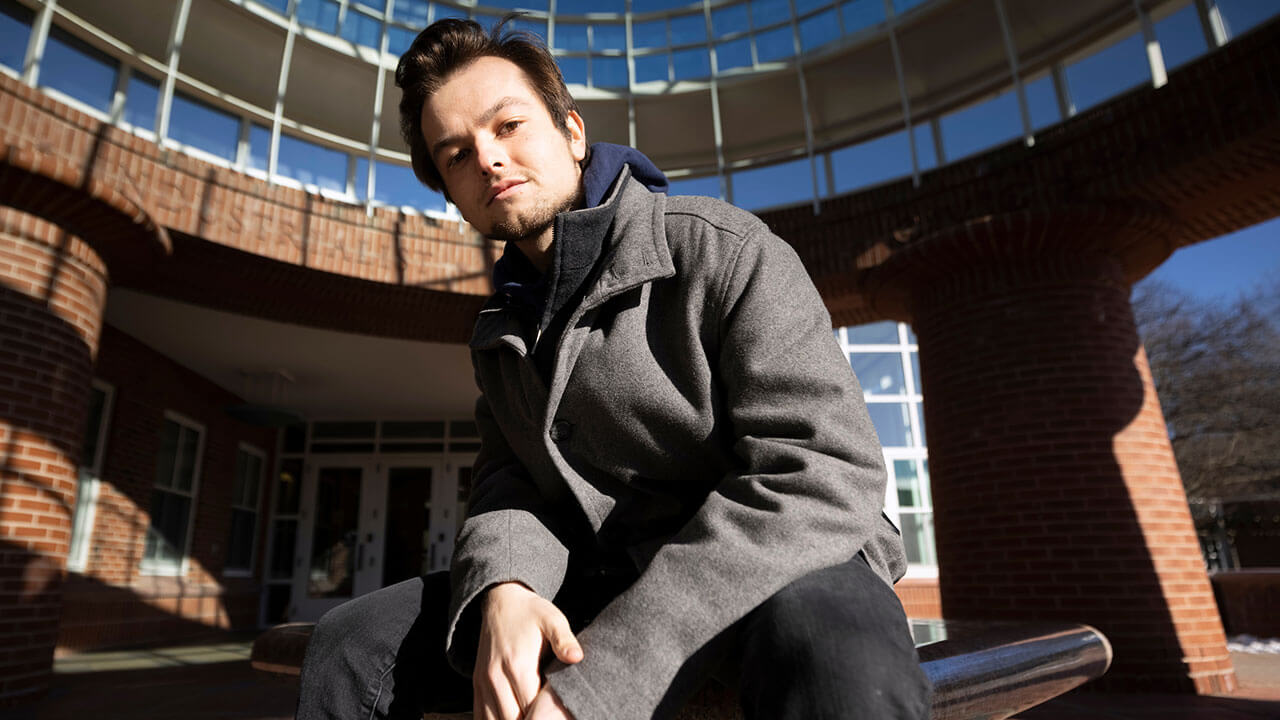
{"type": "Point", "coordinates": [52, 293]}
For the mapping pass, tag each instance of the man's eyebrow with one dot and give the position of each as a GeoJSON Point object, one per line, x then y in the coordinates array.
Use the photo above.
{"type": "Point", "coordinates": [485, 118]}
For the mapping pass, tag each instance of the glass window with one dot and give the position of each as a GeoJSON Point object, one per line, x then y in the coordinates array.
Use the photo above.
{"type": "Point", "coordinates": [884, 332]}
{"type": "Point", "coordinates": [362, 178]}
{"type": "Point", "coordinates": [72, 67]}
{"type": "Point", "coordinates": [1242, 16]}
{"type": "Point", "coordinates": [245, 492]}
{"type": "Point", "coordinates": [729, 20]}
{"type": "Point", "coordinates": [582, 7]}
{"type": "Point", "coordinates": [733, 54]}
{"type": "Point", "coordinates": [362, 29]}
{"type": "Point", "coordinates": [396, 185]}
{"type": "Point", "coordinates": [608, 37]}
{"type": "Point", "coordinates": [289, 487]}
{"type": "Point", "coordinates": [880, 373]}
{"type": "Point", "coordinates": [140, 101]}
{"type": "Point", "coordinates": [901, 6]}
{"type": "Point", "coordinates": [781, 184]}
{"type": "Point", "coordinates": [533, 26]}
{"type": "Point", "coordinates": [691, 64]}
{"type": "Point", "coordinates": [1108, 72]}
{"type": "Point", "coordinates": [819, 30]}
{"type": "Point", "coordinates": [644, 6]}
{"type": "Point", "coordinates": [871, 162]}
{"type": "Point", "coordinates": [982, 126]}
{"type": "Point", "coordinates": [312, 164]}
{"type": "Point", "coordinates": [688, 29]}
{"type": "Point", "coordinates": [399, 39]}
{"type": "Point", "coordinates": [571, 36]}
{"type": "Point", "coordinates": [651, 67]}
{"type": "Point", "coordinates": [193, 123]}
{"type": "Point", "coordinates": [649, 34]}
{"type": "Point", "coordinates": [15, 33]}
{"type": "Point", "coordinates": [87, 483]}
{"type": "Point", "coordinates": [804, 6]}
{"type": "Point", "coordinates": [859, 15]}
{"type": "Point", "coordinates": [319, 14]}
{"type": "Point", "coordinates": [609, 72]}
{"type": "Point", "coordinates": [279, 6]}
{"type": "Point", "coordinates": [1042, 102]}
{"type": "Point", "coordinates": [917, 538]}
{"type": "Point", "coordinates": [574, 69]}
{"type": "Point", "coordinates": [259, 147]}
{"type": "Point", "coordinates": [768, 12]}
{"type": "Point", "coordinates": [447, 11]}
{"type": "Point", "coordinates": [911, 492]}
{"type": "Point", "coordinates": [892, 422]}
{"type": "Point", "coordinates": [926, 151]}
{"type": "Point", "coordinates": [777, 44]}
{"type": "Point", "coordinates": [1180, 37]}
{"type": "Point", "coordinates": [412, 12]}
{"type": "Point", "coordinates": [915, 373]}
{"type": "Point", "coordinates": [707, 186]}
{"type": "Point", "coordinates": [172, 495]}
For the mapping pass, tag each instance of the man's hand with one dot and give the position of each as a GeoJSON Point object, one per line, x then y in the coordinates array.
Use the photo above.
{"type": "Point", "coordinates": [517, 627]}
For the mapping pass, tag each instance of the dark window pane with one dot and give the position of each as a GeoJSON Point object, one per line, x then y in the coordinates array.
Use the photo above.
{"type": "Point", "coordinates": [342, 447]}
{"type": "Point", "coordinates": [819, 30]}
{"type": "Point", "coordinates": [1042, 102]}
{"type": "Point", "coordinates": [732, 19]}
{"type": "Point", "coordinates": [362, 178]}
{"type": "Point", "coordinates": [412, 12]}
{"type": "Point", "coordinates": [1242, 16]}
{"type": "Point", "coordinates": [608, 37]}
{"type": "Point", "coordinates": [285, 540]}
{"type": "Point", "coordinates": [878, 333]}
{"type": "Point", "coordinates": [1108, 72]}
{"type": "Point", "coordinates": [447, 11]}
{"type": "Point", "coordinates": [259, 148]}
{"type": "Point", "coordinates": [892, 423]}
{"type": "Point", "coordinates": [280, 6]}
{"type": "Point", "coordinates": [861, 14]}
{"type": "Point", "coordinates": [343, 429]}
{"type": "Point", "coordinates": [193, 123]}
{"type": "Point", "coordinates": [871, 162]}
{"type": "Point", "coordinates": [688, 29]}
{"type": "Point", "coordinates": [781, 184]}
{"type": "Point", "coordinates": [706, 186]}
{"type": "Point", "coordinates": [651, 67]}
{"type": "Point", "coordinates": [288, 486]}
{"type": "Point", "coordinates": [463, 429]}
{"type": "Point", "coordinates": [413, 447]}
{"type": "Point", "coordinates": [73, 67]}
{"type": "Point", "coordinates": [319, 14]}
{"type": "Point", "coordinates": [733, 54]}
{"type": "Point", "coordinates": [15, 33]}
{"type": "Point", "coordinates": [775, 44]}
{"type": "Point", "coordinates": [768, 12]}
{"type": "Point", "coordinates": [93, 426]}
{"type": "Point", "coordinates": [926, 151]}
{"type": "Point", "coordinates": [1181, 39]}
{"type": "Point", "coordinates": [982, 126]}
{"type": "Point", "coordinates": [185, 473]}
{"type": "Point", "coordinates": [917, 537]}
{"type": "Point", "coordinates": [574, 69]}
{"type": "Point", "coordinates": [464, 446]}
{"type": "Point", "coordinates": [141, 99]}
{"type": "Point", "coordinates": [649, 34]}
{"type": "Point", "coordinates": [396, 185]}
{"type": "Point", "coordinates": [240, 541]}
{"type": "Point", "coordinates": [312, 164]}
{"type": "Point", "coordinates": [644, 6]}
{"type": "Point", "coordinates": [168, 455]}
{"type": "Point", "coordinates": [167, 536]}
{"type": "Point", "coordinates": [333, 541]}
{"type": "Point", "coordinates": [691, 64]}
{"type": "Point", "coordinates": [609, 72]}
{"type": "Point", "coordinates": [295, 438]}
{"type": "Point", "coordinates": [571, 36]}
{"type": "Point", "coordinates": [278, 597]}
{"type": "Point", "coordinates": [908, 484]}
{"type": "Point", "coordinates": [362, 29]}
{"type": "Point", "coordinates": [531, 25]}
{"type": "Point", "coordinates": [413, 429]}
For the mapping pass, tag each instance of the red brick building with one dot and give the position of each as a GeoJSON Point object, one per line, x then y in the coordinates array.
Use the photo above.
{"type": "Point", "coordinates": [233, 381]}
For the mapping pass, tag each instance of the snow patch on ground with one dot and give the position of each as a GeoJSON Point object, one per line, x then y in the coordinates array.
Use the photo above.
{"type": "Point", "coordinates": [1251, 644]}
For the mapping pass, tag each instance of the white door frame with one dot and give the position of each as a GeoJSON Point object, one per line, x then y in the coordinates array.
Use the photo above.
{"type": "Point", "coordinates": [369, 533]}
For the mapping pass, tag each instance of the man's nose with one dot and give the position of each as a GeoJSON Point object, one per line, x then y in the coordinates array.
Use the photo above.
{"type": "Point", "coordinates": [490, 156]}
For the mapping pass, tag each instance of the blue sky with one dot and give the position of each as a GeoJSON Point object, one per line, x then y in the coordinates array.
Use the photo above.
{"type": "Point", "coordinates": [1223, 268]}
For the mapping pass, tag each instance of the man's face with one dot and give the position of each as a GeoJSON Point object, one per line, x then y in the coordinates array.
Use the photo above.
{"type": "Point", "coordinates": [507, 166]}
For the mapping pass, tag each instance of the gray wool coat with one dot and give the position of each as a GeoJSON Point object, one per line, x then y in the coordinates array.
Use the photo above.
{"type": "Point", "coordinates": [701, 416]}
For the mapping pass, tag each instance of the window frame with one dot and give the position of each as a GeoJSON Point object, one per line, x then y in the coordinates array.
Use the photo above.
{"type": "Point", "coordinates": [227, 570]}
{"type": "Point", "coordinates": [88, 482]}
{"type": "Point", "coordinates": [149, 566]}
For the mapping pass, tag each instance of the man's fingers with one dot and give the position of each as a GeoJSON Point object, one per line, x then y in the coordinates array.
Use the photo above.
{"type": "Point", "coordinates": [525, 684]}
{"type": "Point", "coordinates": [555, 628]}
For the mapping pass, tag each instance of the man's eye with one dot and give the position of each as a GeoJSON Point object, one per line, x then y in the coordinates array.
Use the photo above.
{"type": "Point", "coordinates": [510, 126]}
{"type": "Point", "coordinates": [455, 158]}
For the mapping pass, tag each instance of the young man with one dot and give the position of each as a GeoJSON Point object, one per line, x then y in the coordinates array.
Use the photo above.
{"type": "Point", "coordinates": [676, 463]}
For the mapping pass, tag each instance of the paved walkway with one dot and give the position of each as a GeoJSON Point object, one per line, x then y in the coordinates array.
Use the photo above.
{"type": "Point", "coordinates": [213, 679]}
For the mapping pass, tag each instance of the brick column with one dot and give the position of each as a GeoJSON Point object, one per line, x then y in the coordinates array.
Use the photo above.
{"type": "Point", "coordinates": [52, 293]}
{"type": "Point", "coordinates": [1056, 494]}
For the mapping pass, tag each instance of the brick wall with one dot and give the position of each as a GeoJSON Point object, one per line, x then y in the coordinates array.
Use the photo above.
{"type": "Point", "coordinates": [114, 600]}
{"type": "Point", "coordinates": [52, 289]}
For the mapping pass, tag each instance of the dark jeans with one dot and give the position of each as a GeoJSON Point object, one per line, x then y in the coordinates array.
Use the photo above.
{"type": "Point", "coordinates": [832, 645]}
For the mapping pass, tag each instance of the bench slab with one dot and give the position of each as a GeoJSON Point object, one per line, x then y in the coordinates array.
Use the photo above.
{"type": "Point", "coordinates": [980, 670]}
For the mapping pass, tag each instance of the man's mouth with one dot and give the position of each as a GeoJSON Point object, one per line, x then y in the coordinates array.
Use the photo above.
{"type": "Point", "coordinates": [502, 189]}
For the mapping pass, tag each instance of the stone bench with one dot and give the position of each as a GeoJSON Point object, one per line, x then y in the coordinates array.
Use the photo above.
{"type": "Point", "coordinates": [979, 670]}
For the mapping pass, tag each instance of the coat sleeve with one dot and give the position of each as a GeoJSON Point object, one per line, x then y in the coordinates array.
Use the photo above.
{"type": "Point", "coordinates": [807, 493]}
{"type": "Point", "coordinates": [508, 535]}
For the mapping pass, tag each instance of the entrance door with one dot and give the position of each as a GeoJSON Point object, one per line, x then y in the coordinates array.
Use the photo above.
{"type": "Point", "coordinates": [342, 516]}
{"type": "Point", "coordinates": [422, 516]}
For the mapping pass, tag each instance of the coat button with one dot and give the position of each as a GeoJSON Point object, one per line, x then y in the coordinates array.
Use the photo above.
{"type": "Point", "coordinates": [561, 430]}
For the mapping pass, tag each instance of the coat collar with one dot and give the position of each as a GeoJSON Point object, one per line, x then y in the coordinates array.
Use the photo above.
{"type": "Point", "coordinates": [635, 252]}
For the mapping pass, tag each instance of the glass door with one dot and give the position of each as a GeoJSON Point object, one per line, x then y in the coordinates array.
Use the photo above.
{"type": "Point", "coordinates": [340, 537]}
{"type": "Point", "coordinates": [421, 517]}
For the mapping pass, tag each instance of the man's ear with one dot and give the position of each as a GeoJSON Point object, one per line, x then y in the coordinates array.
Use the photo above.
{"type": "Point", "coordinates": [577, 135]}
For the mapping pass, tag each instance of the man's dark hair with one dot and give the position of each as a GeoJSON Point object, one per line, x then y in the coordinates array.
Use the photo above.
{"type": "Point", "coordinates": [449, 45]}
